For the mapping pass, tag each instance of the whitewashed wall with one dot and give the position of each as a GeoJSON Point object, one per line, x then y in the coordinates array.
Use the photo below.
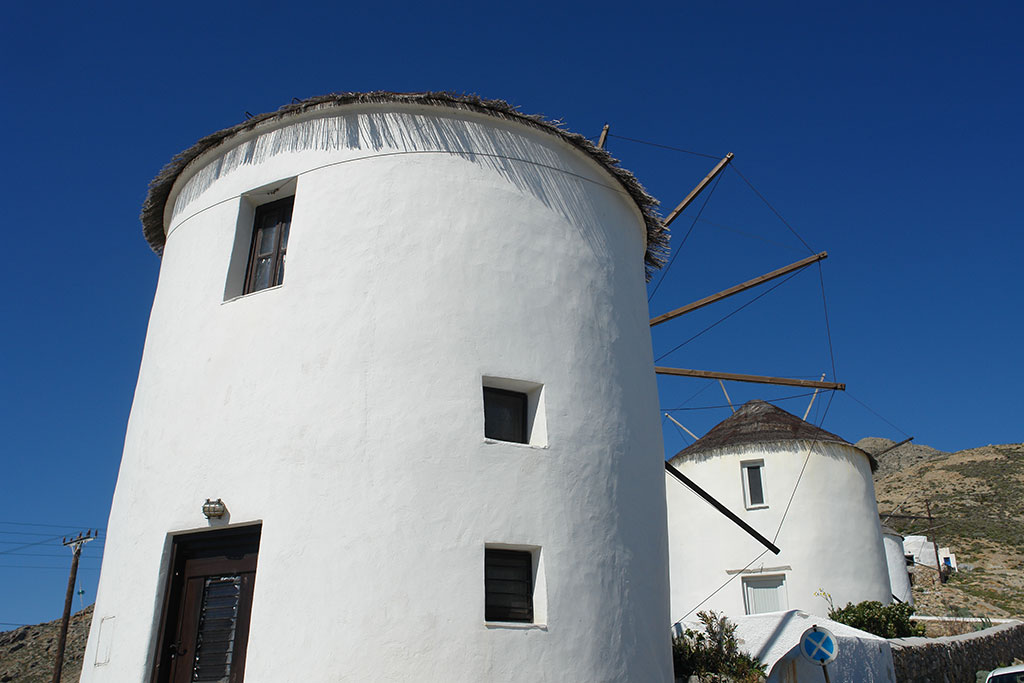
{"type": "Point", "coordinates": [831, 538]}
{"type": "Point", "coordinates": [899, 577]}
{"type": "Point", "coordinates": [428, 248]}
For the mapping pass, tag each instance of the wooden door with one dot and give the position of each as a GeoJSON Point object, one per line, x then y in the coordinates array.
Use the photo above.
{"type": "Point", "coordinates": [205, 629]}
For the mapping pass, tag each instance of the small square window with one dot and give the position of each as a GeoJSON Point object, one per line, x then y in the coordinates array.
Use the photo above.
{"type": "Point", "coordinates": [505, 415]}
{"type": "Point", "coordinates": [514, 411]}
{"type": "Point", "coordinates": [269, 245]}
{"type": "Point", "coordinates": [508, 585]}
{"type": "Point", "coordinates": [753, 484]}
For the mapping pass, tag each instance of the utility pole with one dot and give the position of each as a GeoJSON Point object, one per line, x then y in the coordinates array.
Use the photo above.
{"type": "Point", "coordinates": [76, 552]}
{"type": "Point", "coordinates": [935, 541]}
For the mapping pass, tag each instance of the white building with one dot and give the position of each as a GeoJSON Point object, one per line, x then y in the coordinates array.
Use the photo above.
{"type": "Point", "coordinates": [435, 434]}
{"type": "Point", "coordinates": [922, 551]}
{"type": "Point", "coordinates": [830, 540]}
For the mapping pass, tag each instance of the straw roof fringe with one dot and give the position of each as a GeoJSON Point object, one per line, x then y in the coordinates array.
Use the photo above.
{"type": "Point", "coordinates": [758, 424]}
{"type": "Point", "coordinates": [152, 215]}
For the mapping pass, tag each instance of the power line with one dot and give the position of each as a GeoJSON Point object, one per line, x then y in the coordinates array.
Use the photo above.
{"type": "Point", "coordinates": [28, 545]}
{"type": "Point", "coordinates": [726, 317]}
{"type": "Point", "coordinates": [25, 533]}
{"type": "Point", "coordinates": [64, 567]}
{"type": "Point", "coordinates": [52, 526]}
{"type": "Point", "coordinates": [48, 555]}
{"type": "Point", "coordinates": [674, 149]}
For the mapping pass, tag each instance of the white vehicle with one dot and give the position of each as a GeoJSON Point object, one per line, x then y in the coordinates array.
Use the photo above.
{"type": "Point", "coordinates": [1007, 674]}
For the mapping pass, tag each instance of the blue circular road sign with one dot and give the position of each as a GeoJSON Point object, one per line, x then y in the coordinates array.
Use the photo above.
{"type": "Point", "coordinates": [818, 645]}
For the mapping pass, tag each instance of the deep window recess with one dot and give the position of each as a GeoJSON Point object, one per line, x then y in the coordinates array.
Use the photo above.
{"type": "Point", "coordinates": [753, 484]}
{"type": "Point", "coordinates": [505, 415]}
{"type": "Point", "coordinates": [508, 585]}
{"type": "Point", "coordinates": [205, 626]}
{"type": "Point", "coordinates": [269, 245]}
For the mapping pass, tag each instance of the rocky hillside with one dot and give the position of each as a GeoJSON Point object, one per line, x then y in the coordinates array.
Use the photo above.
{"type": "Point", "coordinates": [27, 653]}
{"type": "Point", "coordinates": [977, 498]}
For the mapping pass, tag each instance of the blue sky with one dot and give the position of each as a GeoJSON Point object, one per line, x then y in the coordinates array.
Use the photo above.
{"type": "Point", "coordinates": [887, 134]}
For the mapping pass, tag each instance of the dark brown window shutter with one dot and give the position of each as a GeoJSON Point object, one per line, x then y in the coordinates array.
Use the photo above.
{"type": "Point", "coordinates": [508, 585]}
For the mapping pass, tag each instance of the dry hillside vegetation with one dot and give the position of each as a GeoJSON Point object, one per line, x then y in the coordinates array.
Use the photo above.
{"type": "Point", "coordinates": [27, 653]}
{"type": "Point", "coordinates": [977, 497]}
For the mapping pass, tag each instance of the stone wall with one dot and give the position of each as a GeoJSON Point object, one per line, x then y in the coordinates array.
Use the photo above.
{"type": "Point", "coordinates": [956, 659]}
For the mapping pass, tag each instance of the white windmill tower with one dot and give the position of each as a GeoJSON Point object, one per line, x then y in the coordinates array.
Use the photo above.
{"type": "Point", "coordinates": [428, 449]}
{"type": "Point", "coordinates": [779, 474]}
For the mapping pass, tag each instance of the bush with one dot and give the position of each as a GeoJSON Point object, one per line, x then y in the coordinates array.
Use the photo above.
{"type": "Point", "coordinates": [887, 621]}
{"type": "Point", "coordinates": [714, 652]}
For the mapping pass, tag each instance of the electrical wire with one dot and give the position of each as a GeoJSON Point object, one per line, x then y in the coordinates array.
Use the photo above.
{"type": "Point", "coordinates": [676, 250]}
{"type": "Point", "coordinates": [29, 545]}
{"type": "Point", "coordinates": [726, 317]}
{"type": "Point", "coordinates": [674, 149]}
{"type": "Point", "coordinates": [54, 526]}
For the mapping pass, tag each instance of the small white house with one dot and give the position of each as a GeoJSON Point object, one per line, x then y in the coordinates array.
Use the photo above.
{"type": "Point", "coordinates": [823, 517]}
{"type": "Point", "coordinates": [428, 450]}
{"type": "Point", "coordinates": [922, 551]}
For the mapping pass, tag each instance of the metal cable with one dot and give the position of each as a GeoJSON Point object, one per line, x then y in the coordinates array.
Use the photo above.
{"type": "Point", "coordinates": [726, 317]}
{"type": "Point", "coordinates": [674, 149]}
{"type": "Point", "coordinates": [676, 251]}
{"type": "Point", "coordinates": [768, 204]}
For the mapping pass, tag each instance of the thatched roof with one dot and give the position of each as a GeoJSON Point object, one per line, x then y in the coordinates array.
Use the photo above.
{"type": "Point", "coordinates": [159, 189]}
{"type": "Point", "coordinates": [759, 422]}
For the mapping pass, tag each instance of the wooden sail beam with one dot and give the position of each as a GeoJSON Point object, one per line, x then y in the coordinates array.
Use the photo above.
{"type": "Point", "coordinates": [697, 190]}
{"type": "Point", "coordinates": [721, 508]}
{"type": "Point", "coordinates": [892, 447]}
{"type": "Point", "coordinates": [757, 379]}
{"type": "Point", "coordinates": [743, 286]}
{"type": "Point", "coordinates": [604, 136]}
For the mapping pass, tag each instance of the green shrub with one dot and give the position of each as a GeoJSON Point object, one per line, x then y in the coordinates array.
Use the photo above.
{"type": "Point", "coordinates": [887, 621]}
{"type": "Point", "coordinates": [714, 652]}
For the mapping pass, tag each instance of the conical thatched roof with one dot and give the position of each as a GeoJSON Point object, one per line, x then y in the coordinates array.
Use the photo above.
{"type": "Point", "coordinates": [759, 422]}
{"type": "Point", "coordinates": [159, 189]}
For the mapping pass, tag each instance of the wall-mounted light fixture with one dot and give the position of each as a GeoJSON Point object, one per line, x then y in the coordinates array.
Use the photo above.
{"type": "Point", "coordinates": [214, 509]}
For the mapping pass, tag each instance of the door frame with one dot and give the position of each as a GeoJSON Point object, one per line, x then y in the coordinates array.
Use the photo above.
{"type": "Point", "coordinates": [202, 550]}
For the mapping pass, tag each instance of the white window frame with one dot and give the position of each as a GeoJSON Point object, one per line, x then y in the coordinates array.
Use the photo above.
{"type": "Point", "coordinates": [744, 466]}
{"type": "Point", "coordinates": [746, 581]}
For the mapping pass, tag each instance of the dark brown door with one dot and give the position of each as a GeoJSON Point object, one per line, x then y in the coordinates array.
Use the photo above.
{"type": "Point", "coordinates": [206, 623]}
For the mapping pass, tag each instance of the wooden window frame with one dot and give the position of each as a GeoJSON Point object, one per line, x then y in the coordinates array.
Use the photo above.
{"type": "Point", "coordinates": [279, 252]}
{"type": "Point", "coordinates": [499, 614]}
{"type": "Point", "coordinates": [524, 416]}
